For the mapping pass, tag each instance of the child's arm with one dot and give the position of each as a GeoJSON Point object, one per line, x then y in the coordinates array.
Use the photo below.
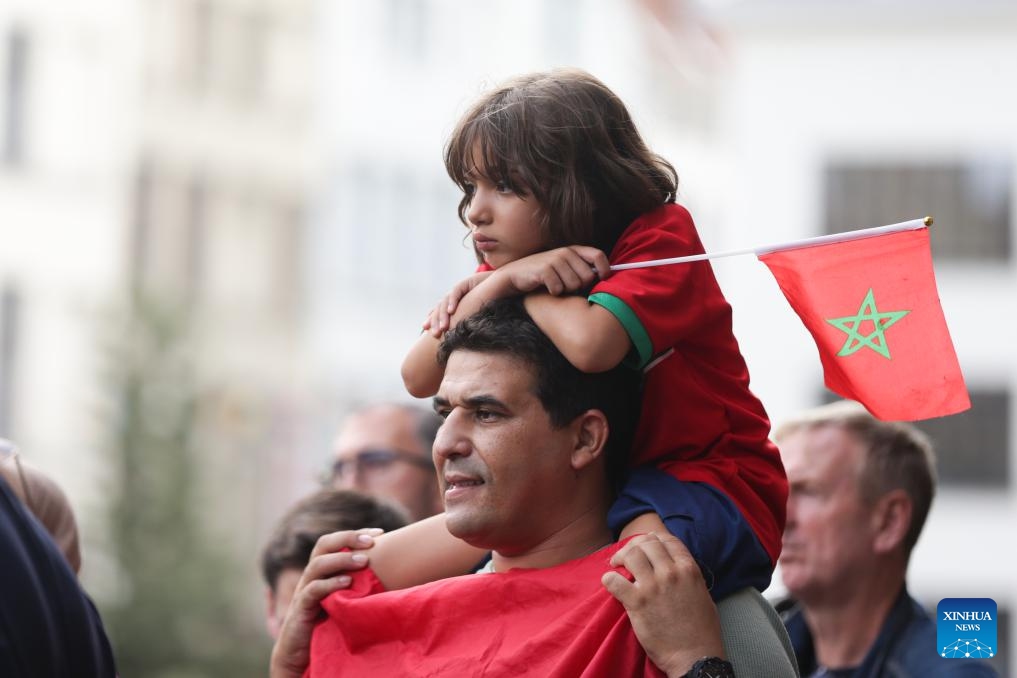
{"type": "Point", "coordinates": [588, 335]}
{"type": "Point", "coordinates": [644, 524]}
{"type": "Point", "coordinates": [420, 371]}
{"type": "Point", "coordinates": [421, 552]}
{"type": "Point", "coordinates": [560, 271]}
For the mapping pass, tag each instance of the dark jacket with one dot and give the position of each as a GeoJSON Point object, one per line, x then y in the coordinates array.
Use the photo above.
{"type": "Point", "coordinates": [904, 648]}
{"type": "Point", "coordinates": [48, 626]}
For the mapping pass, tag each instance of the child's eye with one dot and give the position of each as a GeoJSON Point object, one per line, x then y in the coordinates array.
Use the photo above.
{"type": "Point", "coordinates": [469, 189]}
{"type": "Point", "coordinates": [503, 187]}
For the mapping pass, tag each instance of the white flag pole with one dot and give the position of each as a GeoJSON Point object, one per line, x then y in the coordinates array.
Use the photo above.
{"type": "Point", "coordinates": [912, 225]}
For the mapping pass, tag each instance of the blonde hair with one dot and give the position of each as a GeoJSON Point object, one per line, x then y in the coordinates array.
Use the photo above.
{"type": "Point", "coordinates": [48, 503]}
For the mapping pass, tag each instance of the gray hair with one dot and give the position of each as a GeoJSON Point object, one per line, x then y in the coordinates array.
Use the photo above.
{"type": "Point", "coordinates": [897, 456]}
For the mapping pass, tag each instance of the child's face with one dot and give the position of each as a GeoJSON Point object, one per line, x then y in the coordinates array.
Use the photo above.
{"type": "Point", "coordinates": [505, 225]}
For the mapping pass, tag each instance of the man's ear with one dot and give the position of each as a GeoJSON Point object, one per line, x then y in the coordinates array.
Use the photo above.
{"type": "Point", "coordinates": [892, 520]}
{"type": "Point", "coordinates": [591, 438]}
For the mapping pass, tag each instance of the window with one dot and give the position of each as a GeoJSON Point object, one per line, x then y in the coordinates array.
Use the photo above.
{"type": "Point", "coordinates": [197, 46]}
{"type": "Point", "coordinates": [408, 28]}
{"type": "Point", "coordinates": [169, 230]}
{"type": "Point", "coordinates": [973, 447]}
{"type": "Point", "coordinates": [10, 307]}
{"type": "Point", "coordinates": [970, 201]}
{"type": "Point", "coordinates": [12, 151]}
{"type": "Point", "coordinates": [141, 223]}
{"type": "Point", "coordinates": [195, 236]}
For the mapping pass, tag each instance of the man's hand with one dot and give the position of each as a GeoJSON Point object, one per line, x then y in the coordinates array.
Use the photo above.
{"type": "Point", "coordinates": [324, 574]}
{"type": "Point", "coordinates": [671, 611]}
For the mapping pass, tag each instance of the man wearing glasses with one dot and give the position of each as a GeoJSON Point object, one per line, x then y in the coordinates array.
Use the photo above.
{"type": "Point", "coordinates": [384, 451]}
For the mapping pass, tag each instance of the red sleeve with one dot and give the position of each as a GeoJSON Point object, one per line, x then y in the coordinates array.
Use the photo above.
{"type": "Point", "coordinates": [662, 305]}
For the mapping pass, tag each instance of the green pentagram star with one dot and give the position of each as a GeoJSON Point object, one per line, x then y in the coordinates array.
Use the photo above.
{"type": "Point", "coordinates": [875, 340]}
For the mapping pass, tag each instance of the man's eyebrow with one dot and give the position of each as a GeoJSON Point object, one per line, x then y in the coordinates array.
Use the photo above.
{"type": "Point", "coordinates": [437, 402]}
{"type": "Point", "coordinates": [485, 400]}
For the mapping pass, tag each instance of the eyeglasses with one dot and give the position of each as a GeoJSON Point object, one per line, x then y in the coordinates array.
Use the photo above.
{"type": "Point", "coordinates": [371, 461]}
{"type": "Point", "coordinates": [9, 454]}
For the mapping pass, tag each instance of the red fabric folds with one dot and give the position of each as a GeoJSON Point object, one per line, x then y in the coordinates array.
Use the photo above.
{"type": "Point", "coordinates": [558, 621]}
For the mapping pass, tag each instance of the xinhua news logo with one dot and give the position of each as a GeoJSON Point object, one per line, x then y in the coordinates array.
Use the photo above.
{"type": "Point", "coordinates": [966, 628]}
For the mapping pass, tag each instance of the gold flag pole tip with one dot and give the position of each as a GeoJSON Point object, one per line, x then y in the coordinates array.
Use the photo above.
{"type": "Point", "coordinates": [927, 221]}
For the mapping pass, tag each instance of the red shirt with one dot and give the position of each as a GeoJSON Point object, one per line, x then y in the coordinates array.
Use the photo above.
{"type": "Point", "coordinates": [558, 621]}
{"type": "Point", "coordinates": [700, 422]}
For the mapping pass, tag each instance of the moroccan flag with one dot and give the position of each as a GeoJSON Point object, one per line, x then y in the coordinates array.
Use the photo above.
{"type": "Point", "coordinates": [872, 306]}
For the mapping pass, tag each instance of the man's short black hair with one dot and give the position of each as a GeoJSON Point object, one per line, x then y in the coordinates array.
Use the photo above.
{"type": "Point", "coordinates": [503, 326]}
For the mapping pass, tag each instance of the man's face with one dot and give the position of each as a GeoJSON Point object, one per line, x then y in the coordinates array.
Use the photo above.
{"type": "Point", "coordinates": [383, 458]}
{"type": "Point", "coordinates": [501, 464]}
{"type": "Point", "coordinates": [829, 532]}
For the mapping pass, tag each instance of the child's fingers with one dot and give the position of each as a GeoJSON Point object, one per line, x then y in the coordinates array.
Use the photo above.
{"type": "Point", "coordinates": [443, 315]}
{"type": "Point", "coordinates": [550, 279]}
{"type": "Point", "coordinates": [595, 258]}
{"type": "Point", "coordinates": [586, 275]}
{"type": "Point", "coordinates": [570, 280]}
{"type": "Point", "coordinates": [431, 326]}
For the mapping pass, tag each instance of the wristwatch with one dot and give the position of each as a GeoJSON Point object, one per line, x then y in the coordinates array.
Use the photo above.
{"type": "Point", "coordinates": [711, 667]}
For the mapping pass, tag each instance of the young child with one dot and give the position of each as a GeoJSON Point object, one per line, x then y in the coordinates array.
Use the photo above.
{"type": "Point", "coordinates": [555, 174]}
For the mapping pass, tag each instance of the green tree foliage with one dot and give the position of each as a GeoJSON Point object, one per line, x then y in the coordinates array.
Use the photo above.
{"type": "Point", "coordinates": [182, 608]}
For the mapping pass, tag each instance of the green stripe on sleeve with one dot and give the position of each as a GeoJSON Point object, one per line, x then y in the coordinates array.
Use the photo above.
{"type": "Point", "coordinates": [630, 321]}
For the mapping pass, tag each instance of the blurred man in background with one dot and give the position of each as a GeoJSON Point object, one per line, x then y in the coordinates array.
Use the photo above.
{"type": "Point", "coordinates": [384, 450]}
{"type": "Point", "coordinates": [289, 548]}
{"type": "Point", "coordinates": [860, 492]}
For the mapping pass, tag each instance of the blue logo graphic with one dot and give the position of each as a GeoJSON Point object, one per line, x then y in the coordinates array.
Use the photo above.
{"type": "Point", "coordinates": [966, 628]}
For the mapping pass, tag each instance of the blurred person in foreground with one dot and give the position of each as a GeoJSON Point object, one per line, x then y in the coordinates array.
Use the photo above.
{"type": "Point", "coordinates": [48, 626]}
{"type": "Point", "coordinates": [384, 450]}
{"type": "Point", "coordinates": [860, 492]}
{"type": "Point", "coordinates": [289, 548]}
{"type": "Point", "coordinates": [528, 458]}
{"type": "Point", "coordinates": [44, 498]}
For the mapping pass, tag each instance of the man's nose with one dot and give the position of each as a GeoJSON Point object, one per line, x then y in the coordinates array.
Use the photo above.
{"type": "Point", "coordinates": [451, 440]}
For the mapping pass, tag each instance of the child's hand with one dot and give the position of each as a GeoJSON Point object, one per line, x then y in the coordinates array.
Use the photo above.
{"type": "Point", "coordinates": [560, 271]}
{"type": "Point", "coordinates": [438, 319]}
